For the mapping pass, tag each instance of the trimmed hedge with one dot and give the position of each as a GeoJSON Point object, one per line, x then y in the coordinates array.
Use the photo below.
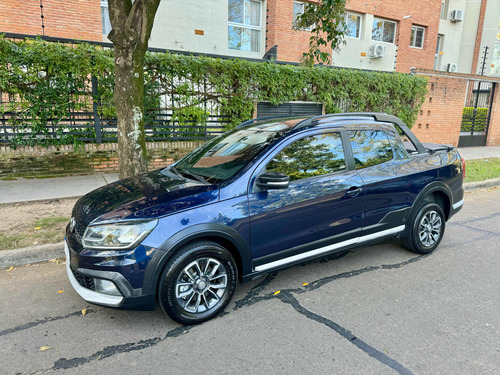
{"type": "Point", "coordinates": [46, 81]}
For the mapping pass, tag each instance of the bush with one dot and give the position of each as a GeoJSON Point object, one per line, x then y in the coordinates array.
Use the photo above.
{"type": "Point", "coordinates": [47, 82]}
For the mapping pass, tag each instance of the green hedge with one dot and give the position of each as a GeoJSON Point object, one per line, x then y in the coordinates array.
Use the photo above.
{"type": "Point", "coordinates": [49, 80]}
{"type": "Point", "coordinates": [479, 120]}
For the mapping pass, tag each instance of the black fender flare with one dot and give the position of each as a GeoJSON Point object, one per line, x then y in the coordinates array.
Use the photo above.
{"type": "Point", "coordinates": [435, 186]}
{"type": "Point", "coordinates": [200, 231]}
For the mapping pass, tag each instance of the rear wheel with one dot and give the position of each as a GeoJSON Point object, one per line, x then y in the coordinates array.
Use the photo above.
{"type": "Point", "coordinates": [197, 283]}
{"type": "Point", "coordinates": [425, 229]}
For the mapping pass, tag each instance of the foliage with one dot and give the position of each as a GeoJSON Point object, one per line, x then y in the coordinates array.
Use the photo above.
{"type": "Point", "coordinates": [46, 82]}
{"type": "Point", "coordinates": [469, 119]}
{"type": "Point", "coordinates": [326, 20]}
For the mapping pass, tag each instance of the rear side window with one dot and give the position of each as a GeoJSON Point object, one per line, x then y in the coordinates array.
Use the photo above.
{"type": "Point", "coordinates": [311, 156]}
{"type": "Point", "coordinates": [370, 147]}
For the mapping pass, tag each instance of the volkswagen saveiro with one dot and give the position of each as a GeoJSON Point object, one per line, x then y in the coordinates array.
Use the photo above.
{"type": "Point", "coordinates": [266, 195]}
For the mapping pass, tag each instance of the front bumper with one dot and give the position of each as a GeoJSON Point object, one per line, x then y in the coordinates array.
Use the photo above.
{"type": "Point", "coordinates": [88, 294]}
{"type": "Point", "coordinates": [130, 298]}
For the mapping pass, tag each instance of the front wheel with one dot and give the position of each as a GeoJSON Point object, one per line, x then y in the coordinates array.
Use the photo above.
{"type": "Point", "coordinates": [197, 283]}
{"type": "Point", "coordinates": [425, 229]}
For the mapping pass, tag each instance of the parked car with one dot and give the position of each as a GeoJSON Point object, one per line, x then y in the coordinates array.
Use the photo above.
{"type": "Point", "coordinates": [269, 194]}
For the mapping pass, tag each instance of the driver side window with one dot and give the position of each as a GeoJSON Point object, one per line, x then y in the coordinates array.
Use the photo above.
{"type": "Point", "coordinates": [310, 156]}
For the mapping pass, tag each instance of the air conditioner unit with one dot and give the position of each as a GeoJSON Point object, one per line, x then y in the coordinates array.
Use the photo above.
{"type": "Point", "coordinates": [377, 51]}
{"type": "Point", "coordinates": [457, 16]}
{"type": "Point", "coordinates": [452, 68]}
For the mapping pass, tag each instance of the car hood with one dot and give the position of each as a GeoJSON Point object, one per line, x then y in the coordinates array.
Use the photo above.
{"type": "Point", "coordinates": [146, 196]}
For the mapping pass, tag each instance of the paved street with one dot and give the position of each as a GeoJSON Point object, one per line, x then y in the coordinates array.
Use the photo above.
{"type": "Point", "coordinates": [376, 310]}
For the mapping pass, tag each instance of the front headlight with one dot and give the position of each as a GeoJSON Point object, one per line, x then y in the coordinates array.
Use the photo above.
{"type": "Point", "coordinates": [116, 236]}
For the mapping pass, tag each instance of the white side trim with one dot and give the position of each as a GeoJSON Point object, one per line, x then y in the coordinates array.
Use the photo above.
{"type": "Point", "coordinates": [87, 294]}
{"type": "Point", "coordinates": [458, 204]}
{"type": "Point", "coordinates": [325, 249]}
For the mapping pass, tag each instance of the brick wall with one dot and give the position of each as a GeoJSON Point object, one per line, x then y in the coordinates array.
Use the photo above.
{"type": "Point", "coordinates": [440, 117]}
{"type": "Point", "coordinates": [65, 160]}
{"type": "Point", "coordinates": [292, 43]}
{"type": "Point", "coordinates": [423, 13]}
{"type": "Point", "coordinates": [279, 21]}
{"type": "Point", "coordinates": [493, 138]}
{"type": "Point", "coordinates": [79, 19]}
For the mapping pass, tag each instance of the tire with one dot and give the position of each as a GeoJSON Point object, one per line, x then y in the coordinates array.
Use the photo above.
{"type": "Point", "coordinates": [197, 283]}
{"type": "Point", "coordinates": [425, 229]}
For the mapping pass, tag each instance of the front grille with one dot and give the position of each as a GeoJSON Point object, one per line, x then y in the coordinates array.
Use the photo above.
{"type": "Point", "coordinates": [83, 280]}
{"type": "Point", "coordinates": [79, 229]}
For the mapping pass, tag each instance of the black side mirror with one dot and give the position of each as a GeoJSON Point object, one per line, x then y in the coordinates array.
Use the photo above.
{"type": "Point", "coordinates": [272, 180]}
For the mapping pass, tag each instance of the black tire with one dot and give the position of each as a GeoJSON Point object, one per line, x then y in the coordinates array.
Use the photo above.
{"type": "Point", "coordinates": [191, 285]}
{"type": "Point", "coordinates": [425, 228]}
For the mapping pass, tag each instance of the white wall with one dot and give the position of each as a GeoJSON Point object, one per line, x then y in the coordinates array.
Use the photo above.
{"type": "Point", "coordinates": [350, 55]}
{"type": "Point", "coordinates": [489, 35]}
{"type": "Point", "coordinates": [452, 32]}
{"type": "Point", "coordinates": [177, 20]}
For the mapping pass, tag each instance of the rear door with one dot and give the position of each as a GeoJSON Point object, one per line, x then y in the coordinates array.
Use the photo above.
{"type": "Point", "coordinates": [323, 205]}
{"type": "Point", "coordinates": [383, 169]}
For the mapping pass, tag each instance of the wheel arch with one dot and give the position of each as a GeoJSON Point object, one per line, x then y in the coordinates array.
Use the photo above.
{"type": "Point", "coordinates": [227, 237]}
{"type": "Point", "coordinates": [437, 192]}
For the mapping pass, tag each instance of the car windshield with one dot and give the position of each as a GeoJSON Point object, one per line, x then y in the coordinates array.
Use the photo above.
{"type": "Point", "coordinates": [222, 157]}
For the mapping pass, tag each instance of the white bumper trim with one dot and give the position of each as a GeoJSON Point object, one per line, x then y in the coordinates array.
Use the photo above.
{"type": "Point", "coordinates": [458, 204]}
{"type": "Point", "coordinates": [87, 294]}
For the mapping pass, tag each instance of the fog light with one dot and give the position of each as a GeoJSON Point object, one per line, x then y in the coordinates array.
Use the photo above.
{"type": "Point", "coordinates": [106, 287]}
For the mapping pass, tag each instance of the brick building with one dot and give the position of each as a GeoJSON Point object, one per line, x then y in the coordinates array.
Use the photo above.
{"type": "Point", "coordinates": [61, 18]}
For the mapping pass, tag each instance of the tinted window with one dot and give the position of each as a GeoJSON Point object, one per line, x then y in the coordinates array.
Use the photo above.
{"type": "Point", "coordinates": [370, 147]}
{"type": "Point", "coordinates": [310, 156]}
{"type": "Point", "coordinates": [225, 155]}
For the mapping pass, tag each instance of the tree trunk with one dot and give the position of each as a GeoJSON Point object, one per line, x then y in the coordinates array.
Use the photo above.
{"type": "Point", "coordinates": [131, 28]}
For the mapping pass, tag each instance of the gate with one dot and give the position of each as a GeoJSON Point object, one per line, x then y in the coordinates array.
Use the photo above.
{"type": "Point", "coordinates": [476, 114]}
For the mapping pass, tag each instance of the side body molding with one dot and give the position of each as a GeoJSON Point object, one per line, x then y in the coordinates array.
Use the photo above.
{"type": "Point", "coordinates": [200, 231]}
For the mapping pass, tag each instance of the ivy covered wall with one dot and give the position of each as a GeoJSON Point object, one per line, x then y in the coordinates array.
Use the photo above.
{"type": "Point", "coordinates": [43, 84]}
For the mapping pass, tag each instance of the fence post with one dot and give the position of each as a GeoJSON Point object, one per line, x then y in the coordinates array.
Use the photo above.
{"type": "Point", "coordinates": [97, 118]}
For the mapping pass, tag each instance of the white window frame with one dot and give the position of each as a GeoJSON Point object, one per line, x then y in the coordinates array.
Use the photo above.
{"type": "Point", "coordinates": [296, 15]}
{"type": "Point", "coordinates": [414, 41]}
{"type": "Point", "coordinates": [360, 16]}
{"type": "Point", "coordinates": [104, 4]}
{"type": "Point", "coordinates": [384, 21]}
{"type": "Point", "coordinates": [249, 27]}
{"type": "Point", "coordinates": [444, 9]}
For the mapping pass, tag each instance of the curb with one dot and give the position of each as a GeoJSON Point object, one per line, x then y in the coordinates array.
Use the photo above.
{"type": "Point", "coordinates": [32, 254]}
{"type": "Point", "coordinates": [470, 186]}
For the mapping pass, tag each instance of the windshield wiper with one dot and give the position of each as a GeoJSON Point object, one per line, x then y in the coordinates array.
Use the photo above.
{"type": "Point", "coordinates": [177, 173]}
{"type": "Point", "coordinates": [195, 176]}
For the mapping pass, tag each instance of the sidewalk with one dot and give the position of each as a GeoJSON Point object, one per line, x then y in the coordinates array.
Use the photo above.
{"type": "Point", "coordinates": [471, 153]}
{"type": "Point", "coordinates": [24, 190]}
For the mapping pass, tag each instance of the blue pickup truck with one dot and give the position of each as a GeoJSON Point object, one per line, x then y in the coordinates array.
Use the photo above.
{"type": "Point", "coordinates": [269, 194]}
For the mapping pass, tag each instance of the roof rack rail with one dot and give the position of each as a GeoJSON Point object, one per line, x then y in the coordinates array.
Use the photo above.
{"type": "Point", "coordinates": [378, 116]}
{"type": "Point", "coordinates": [254, 120]}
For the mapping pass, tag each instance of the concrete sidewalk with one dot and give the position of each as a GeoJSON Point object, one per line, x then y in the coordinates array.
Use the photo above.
{"type": "Point", "coordinates": [25, 190]}
{"type": "Point", "coordinates": [471, 153]}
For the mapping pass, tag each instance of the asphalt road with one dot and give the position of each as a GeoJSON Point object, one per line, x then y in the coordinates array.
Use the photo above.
{"type": "Point", "coordinates": [376, 310]}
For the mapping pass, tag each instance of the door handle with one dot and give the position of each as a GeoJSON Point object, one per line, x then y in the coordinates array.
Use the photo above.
{"type": "Point", "coordinates": [354, 191]}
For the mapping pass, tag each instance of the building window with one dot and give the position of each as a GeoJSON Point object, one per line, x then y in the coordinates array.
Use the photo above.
{"type": "Point", "coordinates": [298, 9]}
{"type": "Point", "coordinates": [245, 26]}
{"type": "Point", "coordinates": [439, 52]}
{"type": "Point", "coordinates": [106, 24]}
{"type": "Point", "coordinates": [383, 30]}
{"type": "Point", "coordinates": [417, 37]}
{"type": "Point", "coordinates": [353, 25]}
{"type": "Point", "coordinates": [444, 9]}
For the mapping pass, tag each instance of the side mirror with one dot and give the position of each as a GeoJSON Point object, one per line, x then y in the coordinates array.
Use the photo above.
{"type": "Point", "coordinates": [272, 180]}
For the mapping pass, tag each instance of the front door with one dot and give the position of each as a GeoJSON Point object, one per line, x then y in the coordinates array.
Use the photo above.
{"type": "Point", "coordinates": [323, 205]}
